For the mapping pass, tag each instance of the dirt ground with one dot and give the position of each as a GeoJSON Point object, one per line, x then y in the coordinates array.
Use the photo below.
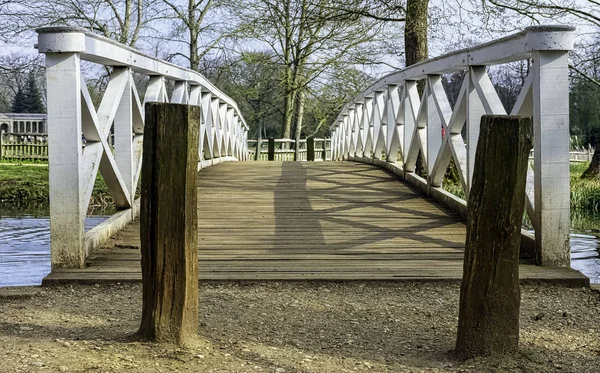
{"type": "Point", "coordinates": [291, 327]}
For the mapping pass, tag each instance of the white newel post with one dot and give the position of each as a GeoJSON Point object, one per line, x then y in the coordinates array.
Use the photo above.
{"type": "Point", "coordinates": [67, 210]}
{"type": "Point", "coordinates": [551, 157]}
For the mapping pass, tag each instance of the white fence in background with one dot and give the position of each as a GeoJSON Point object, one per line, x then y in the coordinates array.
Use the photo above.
{"type": "Point", "coordinates": [389, 123]}
{"type": "Point", "coordinates": [73, 117]}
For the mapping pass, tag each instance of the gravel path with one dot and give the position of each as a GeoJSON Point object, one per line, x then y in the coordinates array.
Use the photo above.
{"type": "Point", "coordinates": [291, 327]}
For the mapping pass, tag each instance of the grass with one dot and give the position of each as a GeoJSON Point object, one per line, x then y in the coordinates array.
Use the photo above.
{"type": "Point", "coordinates": [585, 193]}
{"type": "Point", "coordinates": [27, 183]}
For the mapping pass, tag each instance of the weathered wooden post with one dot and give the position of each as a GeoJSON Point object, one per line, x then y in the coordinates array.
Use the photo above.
{"type": "Point", "coordinates": [489, 295]}
{"type": "Point", "coordinates": [310, 149]}
{"type": "Point", "coordinates": [271, 150]}
{"type": "Point", "coordinates": [1, 143]}
{"type": "Point", "coordinates": [169, 223]}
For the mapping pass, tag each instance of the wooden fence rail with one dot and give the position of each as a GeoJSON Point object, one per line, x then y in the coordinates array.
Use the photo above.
{"type": "Point", "coordinates": [18, 150]}
{"type": "Point", "coordinates": [284, 149]}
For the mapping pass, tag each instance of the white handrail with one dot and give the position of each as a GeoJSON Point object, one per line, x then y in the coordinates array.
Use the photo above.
{"type": "Point", "coordinates": [73, 118]}
{"type": "Point", "coordinates": [390, 122]}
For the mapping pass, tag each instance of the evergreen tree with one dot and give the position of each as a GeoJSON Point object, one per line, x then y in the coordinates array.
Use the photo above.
{"type": "Point", "coordinates": [19, 105]}
{"type": "Point", "coordinates": [33, 98]}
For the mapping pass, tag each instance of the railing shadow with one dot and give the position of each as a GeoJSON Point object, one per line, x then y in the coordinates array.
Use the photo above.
{"type": "Point", "coordinates": [293, 209]}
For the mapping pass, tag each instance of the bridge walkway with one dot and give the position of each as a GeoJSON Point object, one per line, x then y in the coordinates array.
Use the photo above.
{"type": "Point", "coordinates": [310, 221]}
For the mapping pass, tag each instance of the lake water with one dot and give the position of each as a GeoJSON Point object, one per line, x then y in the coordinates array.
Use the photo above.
{"type": "Point", "coordinates": [25, 246]}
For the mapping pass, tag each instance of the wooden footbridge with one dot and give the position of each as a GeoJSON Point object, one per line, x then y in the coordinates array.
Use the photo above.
{"type": "Point", "coordinates": [361, 213]}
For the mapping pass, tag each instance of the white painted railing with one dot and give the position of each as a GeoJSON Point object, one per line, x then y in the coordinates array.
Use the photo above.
{"type": "Point", "coordinates": [390, 122]}
{"type": "Point", "coordinates": [73, 117]}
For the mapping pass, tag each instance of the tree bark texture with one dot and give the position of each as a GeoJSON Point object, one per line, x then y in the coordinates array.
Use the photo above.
{"type": "Point", "coordinates": [593, 169]}
{"type": "Point", "coordinates": [416, 50]}
{"type": "Point", "coordinates": [169, 223]}
{"type": "Point", "coordinates": [489, 295]}
{"type": "Point", "coordinates": [298, 132]}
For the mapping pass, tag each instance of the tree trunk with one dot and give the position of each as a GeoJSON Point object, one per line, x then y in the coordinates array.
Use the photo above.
{"type": "Point", "coordinates": [490, 297]}
{"type": "Point", "coordinates": [593, 169]}
{"type": "Point", "coordinates": [299, 115]}
{"type": "Point", "coordinates": [416, 50]}
{"type": "Point", "coordinates": [194, 59]}
{"type": "Point", "coordinates": [259, 141]}
{"type": "Point", "coordinates": [169, 238]}
{"type": "Point", "coordinates": [415, 31]}
{"type": "Point", "coordinates": [288, 113]}
{"type": "Point", "coordinates": [192, 27]}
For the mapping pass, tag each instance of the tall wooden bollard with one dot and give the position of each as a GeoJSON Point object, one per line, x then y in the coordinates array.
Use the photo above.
{"type": "Point", "coordinates": [310, 149]}
{"type": "Point", "coordinates": [169, 223]}
{"type": "Point", "coordinates": [490, 296]}
{"type": "Point", "coordinates": [271, 150]}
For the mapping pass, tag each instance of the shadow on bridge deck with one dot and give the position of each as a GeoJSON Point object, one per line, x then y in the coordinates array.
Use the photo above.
{"type": "Point", "coordinates": [310, 221]}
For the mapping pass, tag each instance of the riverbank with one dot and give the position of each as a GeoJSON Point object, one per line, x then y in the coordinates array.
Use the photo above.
{"type": "Point", "coordinates": [26, 184]}
{"type": "Point", "coordinates": [292, 327]}
{"type": "Point", "coordinates": [585, 193]}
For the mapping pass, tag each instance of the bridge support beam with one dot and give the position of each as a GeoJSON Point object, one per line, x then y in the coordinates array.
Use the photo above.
{"type": "Point", "coordinates": [65, 156]}
{"type": "Point", "coordinates": [551, 158]}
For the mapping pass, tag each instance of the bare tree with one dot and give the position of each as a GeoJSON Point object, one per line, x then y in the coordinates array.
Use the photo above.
{"type": "Point", "coordinates": [193, 27]}
{"type": "Point", "coordinates": [307, 38]}
{"type": "Point", "coordinates": [14, 72]}
{"type": "Point", "coordinates": [120, 20]}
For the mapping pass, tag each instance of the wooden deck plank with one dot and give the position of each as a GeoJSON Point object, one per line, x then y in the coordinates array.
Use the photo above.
{"type": "Point", "coordinates": [341, 221]}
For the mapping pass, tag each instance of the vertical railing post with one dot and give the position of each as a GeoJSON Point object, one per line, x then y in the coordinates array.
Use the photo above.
{"type": "Point", "coordinates": [310, 149]}
{"type": "Point", "coordinates": [271, 150]}
{"type": "Point", "coordinates": [379, 124]}
{"type": "Point", "coordinates": [67, 210]}
{"type": "Point", "coordinates": [475, 111]}
{"type": "Point", "coordinates": [551, 157]}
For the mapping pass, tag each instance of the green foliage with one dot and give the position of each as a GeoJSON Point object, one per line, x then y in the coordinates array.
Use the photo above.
{"type": "Point", "coordinates": [29, 99]}
{"type": "Point", "coordinates": [24, 184]}
{"type": "Point", "coordinates": [254, 82]}
{"type": "Point", "coordinates": [325, 102]}
{"type": "Point", "coordinates": [19, 105]}
{"type": "Point", "coordinates": [454, 188]}
{"type": "Point", "coordinates": [585, 193]}
{"type": "Point", "coordinates": [584, 109]}
{"type": "Point", "coordinates": [33, 97]}
{"type": "Point", "coordinates": [584, 96]}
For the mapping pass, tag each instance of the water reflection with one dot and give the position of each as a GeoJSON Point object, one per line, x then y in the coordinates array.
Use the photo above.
{"type": "Point", "coordinates": [25, 244]}
{"type": "Point", "coordinates": [585, 256]}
